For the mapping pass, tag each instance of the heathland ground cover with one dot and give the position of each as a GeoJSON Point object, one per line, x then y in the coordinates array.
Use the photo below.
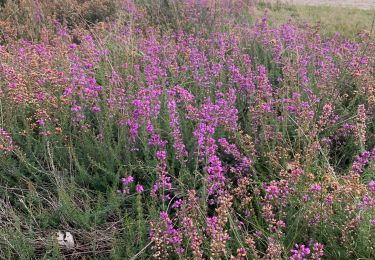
{"type": "Point", "coordinates": [186, 130]}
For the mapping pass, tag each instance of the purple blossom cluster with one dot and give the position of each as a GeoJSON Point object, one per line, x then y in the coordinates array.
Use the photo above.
{"type": "Point", "coordinates": [362, 160]}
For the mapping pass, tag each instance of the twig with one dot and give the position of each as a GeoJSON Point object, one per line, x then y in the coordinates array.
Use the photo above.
{"type": "Point", "coordinates": [140, 252]}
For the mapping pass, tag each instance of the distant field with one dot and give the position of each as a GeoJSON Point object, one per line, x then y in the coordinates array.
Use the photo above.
{"type": "Point", "coordinates": [332, 19]}
{"type": "Point", "coordinates": [363, 4]}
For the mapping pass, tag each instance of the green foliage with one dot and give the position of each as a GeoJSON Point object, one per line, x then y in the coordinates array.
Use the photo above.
{"type": "Point", "coordinates": [68, 180]}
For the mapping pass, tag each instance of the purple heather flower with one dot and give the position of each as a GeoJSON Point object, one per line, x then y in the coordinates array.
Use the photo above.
{"type": "Point", "coordinates": [300, 252]}
{"type": "Point", "coordinates": [315, 188]}
{"type": "Point", "coordinates": [177, 203]}
{"type": "Point", "coordinates": [139, 188]}
{"type": "Point", "coordinates": [127, 180]}
{"type": "Point", "coordinates": [371, 186]}
{"type": "Point", "coordinates": [362, 160]}
{"type": "Point", "coordinates": [96, 109]}
{"type": "Point", "coordinates": [317, 251]}
{"type": "Point", "coordinates": [75, 109]}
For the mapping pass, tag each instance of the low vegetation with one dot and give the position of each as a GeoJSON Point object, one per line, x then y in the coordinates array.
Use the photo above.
{"type": "Point", "coordinates": [185, 130]}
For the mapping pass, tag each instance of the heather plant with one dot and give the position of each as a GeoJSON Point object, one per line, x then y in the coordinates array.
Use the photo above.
{"type": "Point", "coordinates": [181, 129]}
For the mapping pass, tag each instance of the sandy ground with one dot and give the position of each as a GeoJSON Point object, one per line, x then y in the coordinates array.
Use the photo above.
{"type": "Point", "coordinates": [362, 4]}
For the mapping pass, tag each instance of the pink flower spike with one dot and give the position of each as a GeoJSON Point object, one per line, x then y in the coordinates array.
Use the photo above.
{"type": "Point", "coordinates": [139, 188]}
{"type": "Point", "coordinates": [95, 109]}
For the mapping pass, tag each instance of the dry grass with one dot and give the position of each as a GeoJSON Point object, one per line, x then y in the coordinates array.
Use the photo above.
{"type": "Point", "coordinates": [346, 21]}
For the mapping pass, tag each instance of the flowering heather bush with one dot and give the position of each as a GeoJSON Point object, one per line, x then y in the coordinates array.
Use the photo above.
{"type": "Point", "coordinates": [202, 137]}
